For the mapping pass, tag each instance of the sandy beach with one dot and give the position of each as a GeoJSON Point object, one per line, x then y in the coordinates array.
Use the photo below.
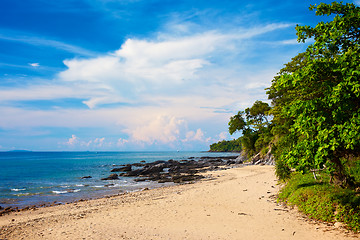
{"type": "Point", "coordinates": [238, 203]}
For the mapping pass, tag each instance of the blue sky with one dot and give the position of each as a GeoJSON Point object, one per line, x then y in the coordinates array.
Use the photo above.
{"type": "Point", "coordinates": [140, 75]}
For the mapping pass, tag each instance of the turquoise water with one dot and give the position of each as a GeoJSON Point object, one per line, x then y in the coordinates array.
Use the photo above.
{"type": "Point", "coordinates": [35, 178]}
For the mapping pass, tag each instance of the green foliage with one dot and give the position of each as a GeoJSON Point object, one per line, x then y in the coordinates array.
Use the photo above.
{"type": "Point", "coordinates": [237, 122]}
{"type": "Point", "coordinates": [254, 125]}
{"type": "Point", "coordinates": [226, 146]}
{"type": "Point", "coordinates": [322, 201]}
{"type": "Point", "coordinates": [353, 169]}
{"type": "Point", "coordinates": [282, 170]}
{"type": "Point", "coordinates": [316, 97]}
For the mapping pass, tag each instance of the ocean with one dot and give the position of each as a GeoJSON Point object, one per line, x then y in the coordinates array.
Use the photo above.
{"type": "Point", "coordinates": [36, 178]}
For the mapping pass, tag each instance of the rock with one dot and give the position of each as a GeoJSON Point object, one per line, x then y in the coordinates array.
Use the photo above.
{"type": "Point", "coordinates": [152, 169]}
{"type": "Point", "coordinates": [173, 171]}
{"type": "Point", "coordinates": [241, 158]}
{"type": "Point", "coordinates": [338, 224]}
{"type": "Point", "coordinates": [158, 162]}
{"type": "Point", "coordinates": [230, 162]}
{"type": "Point", "coordinates": [8, 210]}
{"type": "Point", "coordinates": [268, 159]}
{"type": "Point", "coordinates": [127, 168]}
{"type": "Point", "coordinates": [256, 159]}
{"type": "Point", "coordinates": [85, 177]}
{"type": "Point", "coordinates": [138, 164]}
{"type": "Point", "coordinates": [164, 180]}
{"type": "Point", "coordinates": [140, 179]}
{"type": "Point", "coordinates": [185, 178]}
{"type": "Point", "coordinates": [217, 158]}
{"type": "Point", "coordinates": [133, 173]}
{"type": "Point", "coordinates": [113, 176]}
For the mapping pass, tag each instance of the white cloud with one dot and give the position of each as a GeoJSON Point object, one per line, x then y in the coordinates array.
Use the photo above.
{"type": "Point", "coordinates": [31, 39]}
{"type": "Point", "coordinates": [35, 65]}
{"type": "Point", "coordinates": [121, 142]}
{"type": "Point", "coordinates": [261, 80]}
{"type": "Point", "coordinates": [290, 42]}
{"type": "Point", "coordinates": [161, 86]}
{"type": "Point", "coordinates": [99, 142]}
{"type": "Point", "coordinates": [166, 66]}
{"type": "Point", "coordinates": [142, 69]}
{"type": "Point", "coordinates": [49, 92]}
{"type": "Point", "coordinates": [95, 143]}
{"type": "Point", "coordinates": [223, 135]}
{"type": "Point", "coordinates": [195, 136]}
{"type": "Point", "coordinates": [72, 141]}
{"type": "Point", "coordinates": [163, 129]}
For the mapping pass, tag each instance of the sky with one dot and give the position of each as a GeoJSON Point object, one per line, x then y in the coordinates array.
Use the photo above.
{"type": "Point", "coordinates": [138, 75]}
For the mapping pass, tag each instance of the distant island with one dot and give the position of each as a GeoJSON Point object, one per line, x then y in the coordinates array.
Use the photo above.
{"type": "Point", "coordinates": [226, 146]}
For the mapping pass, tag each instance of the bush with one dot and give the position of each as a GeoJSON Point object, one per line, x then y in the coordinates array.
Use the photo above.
{"type": "Point", "coordinates": [322, 201]}
{"type": "Point", "coordinates": [282, 171]}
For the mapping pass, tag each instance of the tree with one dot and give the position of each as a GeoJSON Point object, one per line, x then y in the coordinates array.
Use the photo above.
{"type": "Point", "coordinates": [316, 97]}
{"type": "Point", "coordinates": [254, 125]}
{"type": "Point", "coordinates": [226, 146]}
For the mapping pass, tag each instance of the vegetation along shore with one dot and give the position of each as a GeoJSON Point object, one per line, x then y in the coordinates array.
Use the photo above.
{"type": "Point", "coordinates": [312, 127]}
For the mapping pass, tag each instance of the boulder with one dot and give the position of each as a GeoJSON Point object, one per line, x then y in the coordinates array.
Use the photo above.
{"type": "Point", "coordinates": [172, 170]}
{"type": "Point", "coordinates": [241, 158]}
{"type": "Point", "coordinates": [126, 168]}
{"type": "Point", "coordinates": [113, 176]}
{"type": "Point", "coordinates": [185, 178]}
{"type": "Point", "coordinates": [133, 173]}
{"type": "Point", "coordinates": [230, 162]}
{"type": "Point", "coordinates": [86, 177]}
{"type": "Point", "coordinates": [156, 169]}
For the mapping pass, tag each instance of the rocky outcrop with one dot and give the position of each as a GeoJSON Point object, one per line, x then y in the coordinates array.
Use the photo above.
{"type": "Point", "coordinates": [173, 171]}
{"type": "Point", "coordinates": [126, 168]}
{"type": "Point", "coordinates": [186, 170]}
{"type": "Point", "coordinates": [241, 158]}
{"type": "Point", "coordinates": [113, 176]}
{"type": "Point", "coordinates": [268, 159]}
{"type": "Point", "coordinates": [85, 177]}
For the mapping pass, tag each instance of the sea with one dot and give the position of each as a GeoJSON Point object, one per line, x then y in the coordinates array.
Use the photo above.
{"type": "Point", "coordinates": [44, 178]}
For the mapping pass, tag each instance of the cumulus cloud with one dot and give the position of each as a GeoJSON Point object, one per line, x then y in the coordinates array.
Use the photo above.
{"type": "Point", "coordinates": [144, 68]}
{"type": "Point", "coordinates": [95, 143]}
{"type": "Point", "coordinates": [121, 142]}
{"type": "Point", "coordinates": [166, 65]}
{"type": "Point", "coordinates": [99, 142]}
{"type": "Point", "coordinates": [156, 87]}
{"type": "Point", "coordinates": [163, 129]}
{"type": "Point", "coordinates": [72, 140]}
{"type": "Point", "coordinates": [195, 136]}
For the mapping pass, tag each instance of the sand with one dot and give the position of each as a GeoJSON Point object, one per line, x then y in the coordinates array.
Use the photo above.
{"type": "Point", "coordinates": [237, 203]}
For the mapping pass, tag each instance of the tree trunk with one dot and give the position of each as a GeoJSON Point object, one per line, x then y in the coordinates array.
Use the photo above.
{"type": "Point", "coordinates": [339, 176]}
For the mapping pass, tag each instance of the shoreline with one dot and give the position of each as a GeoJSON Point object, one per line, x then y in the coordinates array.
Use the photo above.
{"type": "Point", "coordinates": [89, 181]}
{"type": "Point", "coordinates": [238, 203]}
{"type": "Point", "coordinates": [114, 193]}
